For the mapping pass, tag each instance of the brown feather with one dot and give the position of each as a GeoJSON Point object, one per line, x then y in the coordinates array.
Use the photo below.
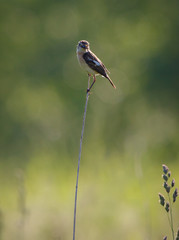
{"type": "Point", "coordinates": [91, 59]}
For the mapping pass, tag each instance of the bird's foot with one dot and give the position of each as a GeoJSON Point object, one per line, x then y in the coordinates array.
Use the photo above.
{"type": "Point", "coordinates": [88, 91]}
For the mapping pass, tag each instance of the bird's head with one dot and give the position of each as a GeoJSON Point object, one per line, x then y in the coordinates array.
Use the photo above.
{"type": "Point", "coordinates": [83, 46]}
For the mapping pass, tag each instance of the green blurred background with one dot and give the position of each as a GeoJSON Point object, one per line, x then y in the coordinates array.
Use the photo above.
{"type": "Point", "coordinates": [130, 132]}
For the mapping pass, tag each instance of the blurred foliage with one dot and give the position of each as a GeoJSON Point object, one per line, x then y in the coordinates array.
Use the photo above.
{"type": "Point", "coordinates": [129, 132]}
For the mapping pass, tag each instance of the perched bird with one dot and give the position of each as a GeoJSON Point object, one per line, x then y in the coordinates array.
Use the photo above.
{"type": "Point", "coordinates": [89, 62]}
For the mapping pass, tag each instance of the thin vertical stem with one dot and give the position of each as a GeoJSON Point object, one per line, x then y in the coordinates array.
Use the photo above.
{"type": "Point", "coordinates": [79, 158]}
{"type": "Point", "coordinates": [171, 217]}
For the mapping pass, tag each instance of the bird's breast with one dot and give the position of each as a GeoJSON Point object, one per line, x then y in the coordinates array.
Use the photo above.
{"type": "Point", "coordinates": [84, 65]}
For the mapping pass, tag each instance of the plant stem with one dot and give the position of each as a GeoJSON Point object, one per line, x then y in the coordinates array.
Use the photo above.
{"type": "Point", "coordinates": [79, 158]}
{"type": "Point", "coordinates": [171, 216]}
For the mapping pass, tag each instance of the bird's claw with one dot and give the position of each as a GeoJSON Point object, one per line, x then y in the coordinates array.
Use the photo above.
{"type": "Point", "coordinates": [88, 90]}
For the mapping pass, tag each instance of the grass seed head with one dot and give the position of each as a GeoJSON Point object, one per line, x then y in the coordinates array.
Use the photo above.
{"type": "Point", "coordinates": [167, 188]}
{"type": "Point", "coordinates": [167, 207]}
{"type": "Point", "coordinates": [169, 174]}
{"type": "Point", "coordinates": [175, 194]}
{"type": "Point", "coordinates": [165, 177]}
{"type": "Point", "coordinates": [161, 199]}
{"type": "Point", "coordinates": [165, 168]}
{"type": "Point", "coordinates": [173, 183]}
{"type": "Point", "coordinates": [177, 236]}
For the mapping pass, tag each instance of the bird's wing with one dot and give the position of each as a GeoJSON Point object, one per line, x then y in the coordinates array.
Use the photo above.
{"type": "Point", "coordinates": [95, 63]}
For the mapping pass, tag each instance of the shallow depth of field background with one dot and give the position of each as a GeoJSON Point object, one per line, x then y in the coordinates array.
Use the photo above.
{"type": "Point", "coordinates": [130, 132]}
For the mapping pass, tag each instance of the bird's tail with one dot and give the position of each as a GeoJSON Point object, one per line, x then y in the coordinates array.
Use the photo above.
{"type": "Point", "coordinates": [111, 82]}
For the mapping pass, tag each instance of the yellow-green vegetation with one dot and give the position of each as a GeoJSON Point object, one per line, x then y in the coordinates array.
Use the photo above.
{"type": "Point", "coordinates": [130, 132]}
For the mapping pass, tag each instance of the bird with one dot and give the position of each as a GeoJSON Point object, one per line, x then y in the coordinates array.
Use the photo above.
{"type": "Point", "coordinates": [91, 63]}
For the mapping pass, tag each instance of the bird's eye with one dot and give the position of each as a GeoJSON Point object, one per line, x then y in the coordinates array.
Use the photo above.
{"type": "Point", "coordinates": [82, 46]}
